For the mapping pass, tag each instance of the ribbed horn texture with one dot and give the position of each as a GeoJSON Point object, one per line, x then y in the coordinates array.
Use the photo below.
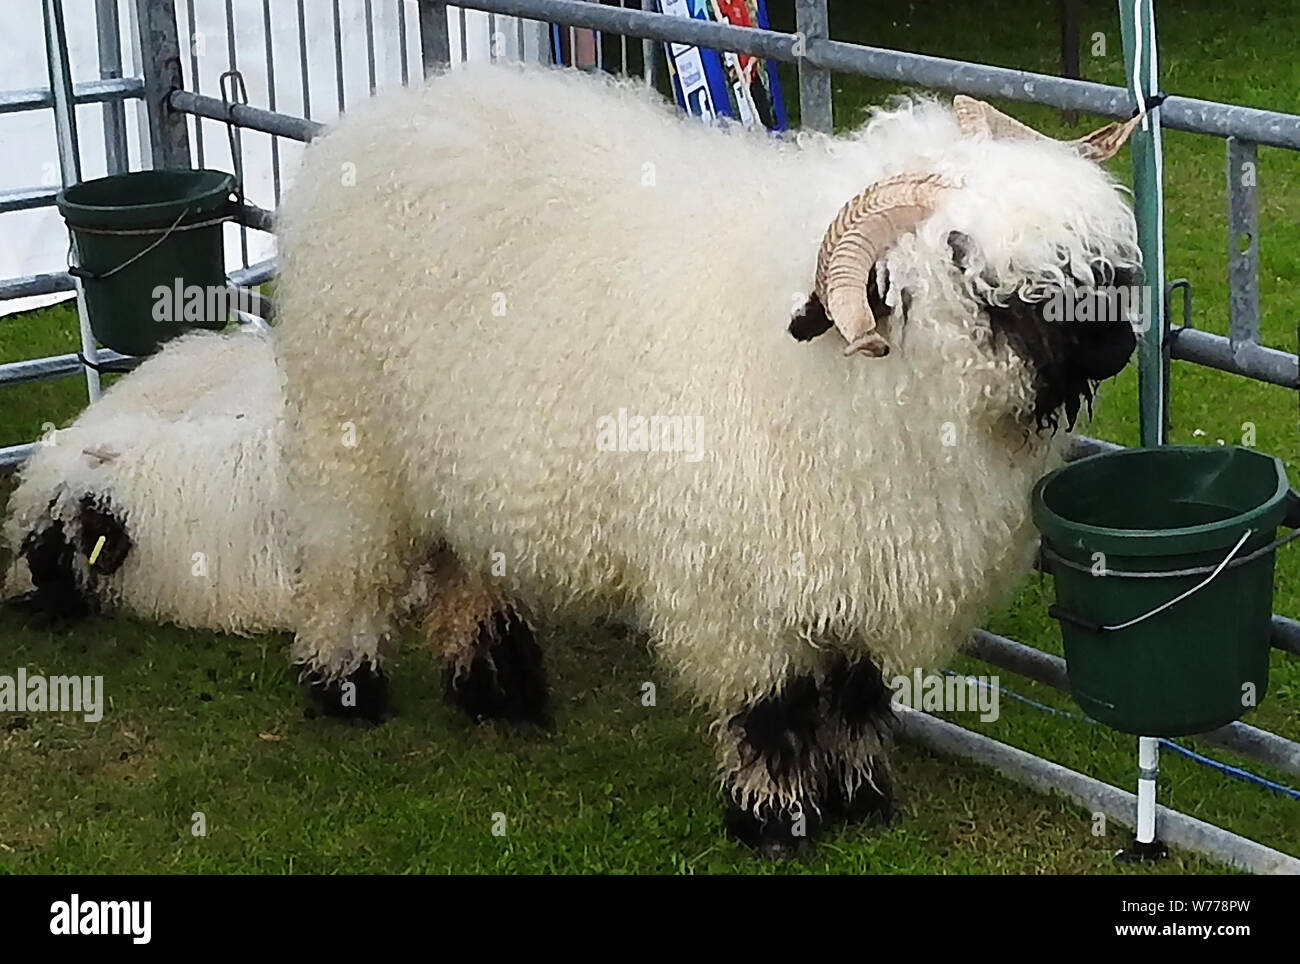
{"type": "Point", "coordinates": [977, 117]}
{"type": "Point", "coordinates": [865, 228]}
{"type": "Point", "coordinates": [1105, 142]}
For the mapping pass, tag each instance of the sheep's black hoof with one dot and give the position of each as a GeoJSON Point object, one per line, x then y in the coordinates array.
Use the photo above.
{"type": "Point", "coordinates": [869, 802]}
{"type": "Point", "coordinates": [781, 832]}
{"type": "Point", "coordinates": [504, 678]}
{"type": "Point", "coordinates": [362, 695]}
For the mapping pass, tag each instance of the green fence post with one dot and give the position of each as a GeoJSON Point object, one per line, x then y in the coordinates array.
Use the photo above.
{"type": "Point", "coordinates": [1138, 26]}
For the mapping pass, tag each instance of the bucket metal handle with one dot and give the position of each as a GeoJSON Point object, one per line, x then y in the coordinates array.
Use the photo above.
{"type": "Point", "coordinates": [79, 272]}
{"type": "Point", "coordinates": [1057, 612]}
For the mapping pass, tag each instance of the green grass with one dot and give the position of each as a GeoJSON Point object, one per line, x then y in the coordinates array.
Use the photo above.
{"type": "Point", "coordinates": [201, 722]}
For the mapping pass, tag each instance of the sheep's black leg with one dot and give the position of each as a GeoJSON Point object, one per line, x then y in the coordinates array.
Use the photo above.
{"type": "Point", "coordinates": [777, 784]}
{"type": "Point", "coordinates": [859, 725]}
{"type": "Point", "coordinates": [500, 675]}
{"type": "Point", "coordinates": [362, 694]}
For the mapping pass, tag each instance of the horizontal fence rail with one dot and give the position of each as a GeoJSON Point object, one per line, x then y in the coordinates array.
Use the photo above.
{"type": "Point", "coordinates": [1091, 794]}
{"type": "Point", "coordinates": [242, 115]}
{"type": "Point", "coordinates": [89, 92]}
{"type": "Point", "coordinates": [1181, 113]}
{"type": "Point", "coordinates": [1240, 738]}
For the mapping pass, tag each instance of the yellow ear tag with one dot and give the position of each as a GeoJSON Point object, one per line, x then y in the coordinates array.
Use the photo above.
{"type": "Point", "coordinates": [94, 553]}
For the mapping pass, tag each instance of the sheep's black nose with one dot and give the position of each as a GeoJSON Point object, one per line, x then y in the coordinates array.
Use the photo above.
{"type": "Point", "coordinates": [57, 598]}
{"type": "Point", "coordinates": [1102, 348]}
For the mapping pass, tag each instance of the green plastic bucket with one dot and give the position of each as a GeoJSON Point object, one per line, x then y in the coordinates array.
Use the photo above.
{"type": "Point", "coordinates": [150, 254]}
{"type": "Point", "coordinates": [1163, 563]}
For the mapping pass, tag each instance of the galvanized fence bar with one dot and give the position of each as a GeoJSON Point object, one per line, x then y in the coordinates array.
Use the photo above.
{"type": "Point", "coordinates": [435, 38]}
{"type": "Point", "coordinates": [86, 92]}
{"type": "Point", "coordinates": [54, 366]}
{"type": "Point", "coordinates": [649, 63]}
{"type": "Point", "coordinates": [1180, 113]}
{"type": "Point", "coordinates": [270, 99]}
{"type": "Point", "coordinates": [302, 60]}
{"type": "Point", "coordinates": [109, 35]}
{"type": "Point", "coordinates": [35, 284]}
{"type": "Point", "coordinates": [403, 57]}
{"type": "Point", "coordinates": [338, 58]}
{"type": "Point", "coordinates": [1243, 739]}
{"type": "Point", "coordinates": [1243, 242]}
{"type": "Point", "coordinates": [169, 138]}
{"type": "Point", "coordinates": [27, 198]}
{"type": "Point", "coordinates": [196, 83]}
{"type": "Point", "coordinates": [812, 24]}
{"type": "Point", "coordinates": [1246, 358]}
{"type": "Point", "coordinates": [250, 118]}
{"type": "Point", "coordinates": [1093, 795]}
{"type": "Point", "coordinates": [65, 129]}
{"type": "Point", "coordinates": [370, 47]}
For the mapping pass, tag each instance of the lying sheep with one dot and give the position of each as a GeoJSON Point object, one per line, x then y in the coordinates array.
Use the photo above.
{"type": "Point", "coordinates": [177, 470]}
{"type": "Point", "coordinates": [164, 501]}
{"type": "Point", "coordinates": [524, 257]}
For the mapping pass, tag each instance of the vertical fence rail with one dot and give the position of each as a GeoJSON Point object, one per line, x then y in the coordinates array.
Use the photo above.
{"type": "Point", "coordinates": [369, 11]}
{"type": "Point", "coordinates": [192, 41]}
{"type": "Point", "coordinates": [65, 129]}
{"type": "Point", "coordinates": [302, 60]}
{"type": "Point", "coordinates": [109, 33]}
{"type": "Point", "coordinates": [169, 138]}
{"type": "Point", "coordinates": [403, 58]}
{"type": "Point", "coordinates": [648, 54]}
{"type": "Point", "coordinates": [338, 57]}
{"type": "Point", "coordinates": [435, 38]}
{"type": "Point", "coordinates": [815, 109]}
{"type": "Point", "coordinates": [271, 99]}
{"type": "Point", "coordinates": [1243, 243]}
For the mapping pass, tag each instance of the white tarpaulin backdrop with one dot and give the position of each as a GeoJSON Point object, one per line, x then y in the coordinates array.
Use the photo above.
{"type": "Point", "coordinates": [33, 242]}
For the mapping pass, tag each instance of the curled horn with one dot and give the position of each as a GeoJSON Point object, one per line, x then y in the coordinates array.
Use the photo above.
{"type": "Point", "coordinates": [865, 228]}
{"type": "Point", "coordinates": [977, 117]}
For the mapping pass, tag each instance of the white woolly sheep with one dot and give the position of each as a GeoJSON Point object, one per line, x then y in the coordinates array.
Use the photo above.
{"type": "Point", "coordinates": [178, 469]}
{"type": "Point", "coordinates": [526, 256]}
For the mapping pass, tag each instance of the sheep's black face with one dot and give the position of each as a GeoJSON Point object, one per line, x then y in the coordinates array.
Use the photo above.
{"type": "Point", "coordinates": [51, 556]}
{"type": "Point", "coordinates": [1074, 337]}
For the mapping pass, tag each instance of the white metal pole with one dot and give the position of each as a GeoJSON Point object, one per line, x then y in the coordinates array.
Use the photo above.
{"type": "Point", "coordinates": [1148, 771]}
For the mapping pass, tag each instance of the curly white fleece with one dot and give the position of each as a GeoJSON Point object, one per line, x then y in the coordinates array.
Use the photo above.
{"type": "Point", "coordinates": [474, 273]}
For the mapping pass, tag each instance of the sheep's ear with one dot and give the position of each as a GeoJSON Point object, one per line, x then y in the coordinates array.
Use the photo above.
{"type": "Point", "coordinates": [961, 245]}
{"type": "Point", "coordinates": [96, 522]}
{"type": "Point", "coordinates": [811, 321]}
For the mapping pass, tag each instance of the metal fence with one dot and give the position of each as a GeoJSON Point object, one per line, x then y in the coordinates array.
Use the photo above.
{"type": "Point", "coordinates": [179, 114]}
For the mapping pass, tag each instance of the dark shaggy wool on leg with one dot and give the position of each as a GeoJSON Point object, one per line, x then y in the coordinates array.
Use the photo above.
{"type": "Point", "coordinates": [505, 678]}
{"type": "Point", "coordinates": [361, 695]}
{"type": "Point", "coordinates": [780, 734]}
{"type": "Point", "coordinates": [856, 696]}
